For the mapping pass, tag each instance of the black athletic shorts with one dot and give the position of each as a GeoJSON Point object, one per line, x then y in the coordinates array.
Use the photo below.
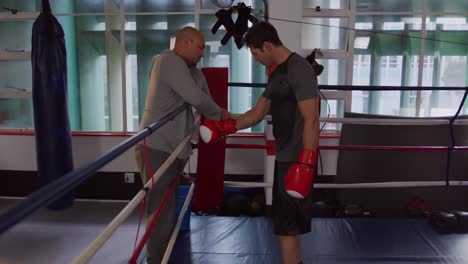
{"type": "Point", "coordinates": [291, 216]}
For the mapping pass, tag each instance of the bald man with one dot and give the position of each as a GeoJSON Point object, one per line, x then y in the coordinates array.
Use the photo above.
{"type": "Point", "coordinates": [174, 80]}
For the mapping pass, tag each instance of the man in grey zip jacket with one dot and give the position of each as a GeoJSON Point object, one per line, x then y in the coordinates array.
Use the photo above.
{"type": "Point", "coordinates": [174, 81]}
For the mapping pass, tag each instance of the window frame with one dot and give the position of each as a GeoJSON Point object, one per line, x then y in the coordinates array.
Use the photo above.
{"type": "Point", "coordinates": [349, 53]}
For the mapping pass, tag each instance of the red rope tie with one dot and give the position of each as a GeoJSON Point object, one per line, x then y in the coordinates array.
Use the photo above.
{"type": "Point", "coordinates": [148, 164]}
{"type": "Point", "coordinates": [137, 250]}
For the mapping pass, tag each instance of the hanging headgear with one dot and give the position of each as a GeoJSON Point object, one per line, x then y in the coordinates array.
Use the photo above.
{"type": "Point", "coordinates": [237, 29]}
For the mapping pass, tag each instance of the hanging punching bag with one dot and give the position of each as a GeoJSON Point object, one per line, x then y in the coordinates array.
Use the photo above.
{"type": "Point", "coordinates": [51, 123]}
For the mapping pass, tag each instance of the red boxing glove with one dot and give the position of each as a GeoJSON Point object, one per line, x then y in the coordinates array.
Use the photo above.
{"type": "Point", "coordinates": [301, 175]}
{"type": "Point", "coordinates": [212, 130]}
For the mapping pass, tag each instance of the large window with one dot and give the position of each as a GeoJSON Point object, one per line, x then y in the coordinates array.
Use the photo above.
{"type": "Point", "coordinates": [326, 4]}
{"type": "Point", "coordinates": [396, 43]}
{"type": "Point", "coordinates": [447, 6]}
{"type": "Point", "coordinates": [109, 57]}
{"type": "Point", "coordinates": [363, 42]}
{"type": "Point", "coordinates": [324, 33]}
{"type": "Point", "coordinates": [453, 71]}
{"type": "Point", "coordinates": [389, 5]}
{"type": "Point", "coordinates": [15, 74]}
{"type": "Point", "coordinates": [361, 69]}
{"type": "Point", "coordinates": [446, 63]}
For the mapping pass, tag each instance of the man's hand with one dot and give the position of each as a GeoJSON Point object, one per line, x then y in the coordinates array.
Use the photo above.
{"type": "Point", "coordinates": [212, 131]}
{"type": "Point", "coordinates": [225, 115]}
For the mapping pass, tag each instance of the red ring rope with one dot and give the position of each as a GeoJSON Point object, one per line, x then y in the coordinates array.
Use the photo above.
{"type": "Point", "coordinates": [141, 244]}
{"type": "Point", "coordinates": [137, 250]}
{"type": "Point", "coordinates": [357, 147]}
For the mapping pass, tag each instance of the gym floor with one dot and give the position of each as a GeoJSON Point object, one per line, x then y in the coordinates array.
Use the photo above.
{"type": "Point", "coordinates": [59, 236]}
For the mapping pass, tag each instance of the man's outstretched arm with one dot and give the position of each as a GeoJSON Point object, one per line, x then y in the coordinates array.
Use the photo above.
{"type": "Point", "coordinates": [212, 131]}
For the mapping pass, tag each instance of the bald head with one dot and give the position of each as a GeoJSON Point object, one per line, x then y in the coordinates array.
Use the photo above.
{"type": "Point", "coordinates": [190, 45]}
{"type": "Point", "coordinates": [188, 33]}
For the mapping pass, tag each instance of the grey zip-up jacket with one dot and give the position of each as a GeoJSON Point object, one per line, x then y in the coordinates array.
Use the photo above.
{"type": "Point", "coordinates": [172, 83]}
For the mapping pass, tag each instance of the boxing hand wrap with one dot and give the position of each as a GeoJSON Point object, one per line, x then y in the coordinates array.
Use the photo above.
{"type": "Point", "coordinates": [298, 182]}
{"type": "Point", "coordinates": [211, 131]}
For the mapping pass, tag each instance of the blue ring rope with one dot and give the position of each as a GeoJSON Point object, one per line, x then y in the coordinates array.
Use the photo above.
{"type": "Point", "coordinates": [56, 189]}
{"type": "Point", "coordinates": [360, 87]}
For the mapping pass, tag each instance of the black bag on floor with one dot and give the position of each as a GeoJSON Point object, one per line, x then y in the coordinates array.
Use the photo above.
{"type": "Point", "coordinates": [453, 221]}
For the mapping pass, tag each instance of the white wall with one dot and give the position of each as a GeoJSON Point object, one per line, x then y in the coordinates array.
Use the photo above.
{"type": "Point", "coordinates": [19, 154]}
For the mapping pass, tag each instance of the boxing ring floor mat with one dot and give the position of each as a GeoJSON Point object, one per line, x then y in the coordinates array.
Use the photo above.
{"type": "Point", "coordinates": [332, 240]}
{"type": "Point", "coordinates": [57, 237]}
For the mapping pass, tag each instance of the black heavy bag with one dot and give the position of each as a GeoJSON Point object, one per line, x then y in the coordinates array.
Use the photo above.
{"type": "Point", "coordinates": [51, 123]}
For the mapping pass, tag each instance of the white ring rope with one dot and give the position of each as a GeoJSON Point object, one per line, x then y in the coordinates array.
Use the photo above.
{"type": "Point", "coordinates": [173, 239]}
{"type": "Point", "coordinates": [384, 121]}
{"type": "Point", "coordinates": [393, 121]}
{"type": "Point", "coordinates": [396, 184]}
{"type": "Point", "coordinates": [91, 250]}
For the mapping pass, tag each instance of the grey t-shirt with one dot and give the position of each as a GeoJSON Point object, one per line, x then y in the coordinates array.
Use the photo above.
{"type": "Point", "coordinates": [292, 81]}
{"type": "Point", "coordinates": [172, 83]}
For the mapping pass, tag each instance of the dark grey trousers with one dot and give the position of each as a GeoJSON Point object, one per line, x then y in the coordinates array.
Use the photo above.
{"type": "Point", "coordinates": [162, 230]}
{"type": "Point", "coordinates": [291, 216]}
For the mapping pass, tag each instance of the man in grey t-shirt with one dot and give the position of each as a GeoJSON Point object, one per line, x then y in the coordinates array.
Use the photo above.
{"type": "Point", "coordinates": [291, 96]}
{"type": "Point", "coordinates": [174, 81]}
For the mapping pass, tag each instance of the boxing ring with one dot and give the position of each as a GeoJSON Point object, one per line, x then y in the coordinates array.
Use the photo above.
{"type": "Point", "coordinates": [215, 239]}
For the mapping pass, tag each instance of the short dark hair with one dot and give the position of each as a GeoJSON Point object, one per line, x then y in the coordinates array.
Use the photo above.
{"type": "Point", "coordinates": [260, 33]}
